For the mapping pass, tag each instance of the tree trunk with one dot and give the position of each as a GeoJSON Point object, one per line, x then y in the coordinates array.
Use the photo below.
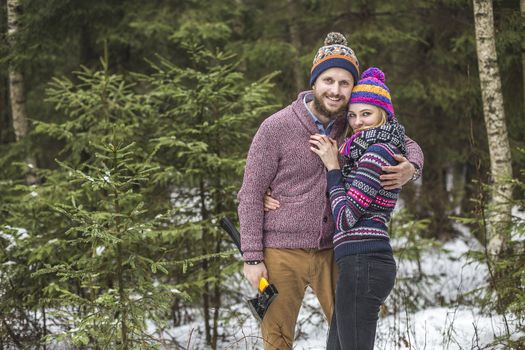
{"type": "Point", "coordinates": [16, 88]}
{"type": "Point", "coordinates": [206, 293]}
{"type": "Point", "coordinates": [18, 110]}
{"type": "Point", "coordinates": [44, 328]}
{"type": "Point", "coordinates": [499, 207]}
{"type": "Point", "coordinates": [123, 296]}
{"type": "Point", "coordinates": [217, 293]}
{"type": "Point", "coordinates": [206, 306]}
{"type": "Point", "coordinates": [16, 79]}
{"type": "Point", "coordinates": [4, 114]}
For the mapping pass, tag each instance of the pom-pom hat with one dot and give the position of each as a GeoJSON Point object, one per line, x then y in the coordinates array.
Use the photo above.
{"type": "Point", "coordinates": [334, 53]}
{"type": "Point", "coordinates": [371, 89]}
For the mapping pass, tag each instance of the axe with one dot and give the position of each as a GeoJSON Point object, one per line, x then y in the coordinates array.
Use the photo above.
{"type": "Point", "coordinates": [267, 292]}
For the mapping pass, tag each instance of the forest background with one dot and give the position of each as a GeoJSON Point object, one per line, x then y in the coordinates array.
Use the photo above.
{"type": "Point", "coordinates": [139, 116]}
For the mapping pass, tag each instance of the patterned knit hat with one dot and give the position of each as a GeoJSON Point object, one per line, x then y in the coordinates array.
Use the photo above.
{"type": "Point", "coordinates": [335, 53]}
{"type": "Point", "coordinates": [371, 89]}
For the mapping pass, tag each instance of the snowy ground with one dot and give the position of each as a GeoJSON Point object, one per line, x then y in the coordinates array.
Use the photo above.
{"type": "Point", "coordinates": [443, 319]}
{"type": "Point", "coordinates": [431, 308]}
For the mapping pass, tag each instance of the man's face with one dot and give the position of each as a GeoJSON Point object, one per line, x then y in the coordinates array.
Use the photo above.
{"type": "Point", "coordinates": [332, 90]}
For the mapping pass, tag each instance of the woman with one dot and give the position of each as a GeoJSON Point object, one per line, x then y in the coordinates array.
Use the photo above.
{"type": "Point", "coordinates": [361, 209]}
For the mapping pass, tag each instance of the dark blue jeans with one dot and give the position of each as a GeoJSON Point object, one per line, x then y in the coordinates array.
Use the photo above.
{"type": "Point", "coordinates": [365, 281]}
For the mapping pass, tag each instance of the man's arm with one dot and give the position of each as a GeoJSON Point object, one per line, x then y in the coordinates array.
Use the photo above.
{"type": "Point", "coordinates": [260, 170]}
{"type": "Point", "coordinates": [410, 168]}
{"type": "Point", "coordinates": [415, 154]}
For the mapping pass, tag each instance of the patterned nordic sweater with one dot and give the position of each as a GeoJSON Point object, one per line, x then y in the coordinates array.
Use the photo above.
{"type": "Point", "coordinates": [361, 208]}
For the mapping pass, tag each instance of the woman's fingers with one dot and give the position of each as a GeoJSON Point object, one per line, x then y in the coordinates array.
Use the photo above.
{"type": "Point", "coordinates": [321, 143]}
{"type": "Point", "coordinates": [270, 203]}
{"type": "Point", "coordinates": [316, 151]}
{"type": "Point", "coordinates": [318, 136]}
{"type": "Point", "coordinates": [319, 139]}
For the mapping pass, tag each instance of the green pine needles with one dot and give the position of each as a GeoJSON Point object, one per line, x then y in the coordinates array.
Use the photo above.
{"type": "Point", "coordinates": [104, 250]}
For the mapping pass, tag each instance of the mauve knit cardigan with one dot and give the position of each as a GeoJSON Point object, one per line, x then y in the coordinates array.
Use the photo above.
{"type": "Point", "coordinates": [280, 158]}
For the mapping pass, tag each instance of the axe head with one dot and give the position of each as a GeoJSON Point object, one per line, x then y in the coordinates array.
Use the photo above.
{"type": "Point", "coordinates": [259, 305]}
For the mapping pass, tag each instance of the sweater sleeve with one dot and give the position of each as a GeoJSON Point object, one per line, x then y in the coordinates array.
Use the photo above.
{"type": "Point", "coordinates": [261, 168]}
{"type": "Point", "coordinates": [415, 154]}
{"type": "Point", "coordinates": [348, 206]}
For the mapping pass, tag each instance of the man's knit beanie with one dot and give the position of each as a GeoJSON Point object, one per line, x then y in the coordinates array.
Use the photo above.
{"type": "Point", "coordinates": [371, 89]}
{"type": "Point", "coordinates": [334, 53]}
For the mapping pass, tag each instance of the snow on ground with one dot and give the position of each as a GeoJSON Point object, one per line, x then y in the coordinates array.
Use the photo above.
{"type": "Point", "coordinates": [440, 328]}
{"type": "Point", "coordinates": [455, 274]}
{"type": "Point", "coordinates": [446, 324]}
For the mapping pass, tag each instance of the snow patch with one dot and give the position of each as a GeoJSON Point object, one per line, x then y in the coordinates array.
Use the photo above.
{"type": "Point", "coordinates": [99, 250]}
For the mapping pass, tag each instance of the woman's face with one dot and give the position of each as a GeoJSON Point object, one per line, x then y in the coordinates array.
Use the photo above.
{"type": "Point", "coordinates": [362, 116]}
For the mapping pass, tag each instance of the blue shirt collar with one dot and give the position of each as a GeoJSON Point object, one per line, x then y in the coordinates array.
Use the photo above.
{"type": "Point", "coordinates": [322, 130]}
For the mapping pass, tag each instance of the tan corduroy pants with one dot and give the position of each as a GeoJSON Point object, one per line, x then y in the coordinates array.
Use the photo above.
{"type": "Point", "coordinates": [291, 271]}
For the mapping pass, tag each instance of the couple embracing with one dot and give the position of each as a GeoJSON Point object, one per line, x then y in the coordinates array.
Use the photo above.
{"type": "Point", "coordinates": [322, 178]}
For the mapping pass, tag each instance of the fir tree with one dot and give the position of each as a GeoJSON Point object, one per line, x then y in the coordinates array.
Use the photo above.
{"type": "Point", "coordinates": [105, 286]}
{"type": "Point", "coordinates": [207, 114]}
{"type": "Point", "coordinates": [127, 224]}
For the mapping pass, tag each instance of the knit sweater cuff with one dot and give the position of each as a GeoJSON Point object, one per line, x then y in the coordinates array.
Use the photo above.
{"type": "Point", "coordinates": [333, 178]}
{"type": "Point", "coordinates": [247, 256]}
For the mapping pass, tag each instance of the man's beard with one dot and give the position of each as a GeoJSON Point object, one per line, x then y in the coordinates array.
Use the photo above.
{"type": "Point", "coordinates": [319, 107]}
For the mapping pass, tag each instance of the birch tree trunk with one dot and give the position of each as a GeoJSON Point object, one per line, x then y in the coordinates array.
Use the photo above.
{"type": "Point", "coordinates": [16, 88]}
{"type": "Point", "coordinates": [16, 79]}
{"type": "Point", "coordinates": [499, 207]}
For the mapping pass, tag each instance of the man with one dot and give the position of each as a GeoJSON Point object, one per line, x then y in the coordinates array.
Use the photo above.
{"type": "Point", "coordinates": [292, 246]}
